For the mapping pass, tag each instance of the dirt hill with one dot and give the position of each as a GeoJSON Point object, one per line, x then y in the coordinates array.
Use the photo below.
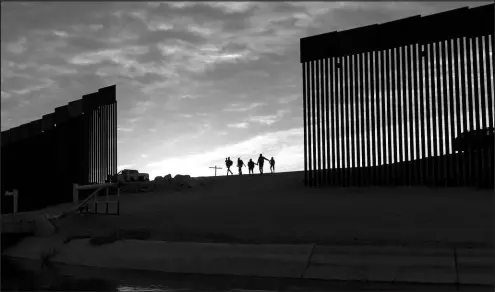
{"type": "Point", "coordinates": [276, 208]}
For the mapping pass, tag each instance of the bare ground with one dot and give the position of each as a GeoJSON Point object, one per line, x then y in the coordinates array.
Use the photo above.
{"type": "Point", "coordinates": [278, 209]}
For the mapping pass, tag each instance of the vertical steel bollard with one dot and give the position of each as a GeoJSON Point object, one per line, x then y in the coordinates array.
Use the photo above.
{"type": "Point", "coordinates": [16, 202]}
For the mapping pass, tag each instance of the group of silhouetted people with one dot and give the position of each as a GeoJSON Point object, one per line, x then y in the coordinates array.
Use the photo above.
{"type": "Point", "coordinates": [250, 165]}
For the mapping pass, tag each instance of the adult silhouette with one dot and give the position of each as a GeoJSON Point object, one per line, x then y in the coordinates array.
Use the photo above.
{"type": "Point", "coordinates": [228, 164]}
{"type": "Point", "coordinates": [261, 161]}
{"type": "Point", "coordinates": [240, 164]}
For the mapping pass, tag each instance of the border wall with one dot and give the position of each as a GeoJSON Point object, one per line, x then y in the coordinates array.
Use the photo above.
{"type": "Point", "coordinates": [384, 103]}
{"type": "Point", "coordinates": [77, 143]}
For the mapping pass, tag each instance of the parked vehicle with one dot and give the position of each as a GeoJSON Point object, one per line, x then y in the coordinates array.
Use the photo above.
{"type": "Point", "coordinates": [129, 175]}
{"type": "Point", "coordinates": [475, 139]}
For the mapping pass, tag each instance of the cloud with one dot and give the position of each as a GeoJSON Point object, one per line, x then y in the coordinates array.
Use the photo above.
{"type": "Point", "coordinates": [84, 28]}
{"type": "Point", "coordinates": [125, 166]}
{"type": "Point", "coordinates": [185, 56]}
{"type": "Point", "coordinates": [160, 26]}
{"type": "Point", "coordinates": [141, 107]}
{"type": "Point", "coordinates": [6, 95]}
{"type": "Point", "coordinates": [44, 83]}
{"type": "Point", "coordinates": [60, 33]}
{"type": "Point", "coordinates": [268, 120]}
{"type": "Point", "coordinates": [47, 70]}
{"type": "Point", "coordinates": [125, 129]}
{"type": "Point", "coordinates": [53, 70]}
{"type": "Point", "coordinates": [290, 98]}
{"type": "Point", "coordinates": [118, 56]}
{"type": "Point", "coordinates": [180, 5]}
{"type": "Point", "coordinates": [238, 125]}
{"type": "Point", "coordinates": [144, 155]}
{"type": "Point", "coordinates": [127, 124]}
{"type": "Point", "coordinates": [17, 47]}
{"type": "Point", "coordinates": [238, 108]}
{"type": "Point", "coordinates": [187, 96]}
{"type": "Point", "coordinates": [232, 7]}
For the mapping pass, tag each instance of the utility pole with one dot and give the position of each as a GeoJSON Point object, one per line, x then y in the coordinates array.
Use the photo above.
{"type": "Point", "coordinates": [216, 167]}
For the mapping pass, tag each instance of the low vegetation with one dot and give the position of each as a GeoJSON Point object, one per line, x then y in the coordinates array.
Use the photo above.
{"type": "Point", "coordinates": [47, 256]}
{"type": "Point", "coordinates": [139, 234]}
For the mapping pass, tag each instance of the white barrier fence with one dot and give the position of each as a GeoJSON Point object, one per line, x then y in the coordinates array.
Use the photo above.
{"type": "Point", "coordinates": [98, 187]}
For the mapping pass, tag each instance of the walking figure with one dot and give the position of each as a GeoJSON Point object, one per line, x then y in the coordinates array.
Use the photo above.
{"type": "Point", "coordinates": [251, 166]}
{"type": "Point", "coordinates": [272, 165]}
{"type": "Point", "coordinates": [228, 163]}
{"type": "Point", "coordinates": [261, 161]}
{"type": "Point", "coordinates": [240, 164]}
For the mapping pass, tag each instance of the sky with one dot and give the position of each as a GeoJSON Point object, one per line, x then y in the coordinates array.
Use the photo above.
{"type": "Point", "coordinates": [196, 82]}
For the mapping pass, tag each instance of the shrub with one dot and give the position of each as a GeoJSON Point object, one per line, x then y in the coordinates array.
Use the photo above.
{"type": "Point", "coordinates": [139, 234]}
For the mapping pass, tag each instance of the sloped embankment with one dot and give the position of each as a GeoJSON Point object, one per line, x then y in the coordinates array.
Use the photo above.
{"type": "Point", "coordinates": [278, 209]}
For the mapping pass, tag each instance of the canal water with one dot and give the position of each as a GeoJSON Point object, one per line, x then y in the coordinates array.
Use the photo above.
{"type": "Point", "coordinates": [28, 275]}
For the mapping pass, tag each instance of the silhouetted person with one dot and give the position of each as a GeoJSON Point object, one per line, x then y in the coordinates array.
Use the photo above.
{"type": "Point", "coordinates": [261, 161]}
{"type": "Point", "coordinates": [272, 165]}
{"type": "Point", "coordinates": [251, 166]}
{"type": "Point", "coordinates": [228, 164]}
{"type": "Point", "coordinates": [240, 164]}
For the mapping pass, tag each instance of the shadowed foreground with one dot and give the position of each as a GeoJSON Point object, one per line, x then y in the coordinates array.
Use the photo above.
{"type": "Point", "coordinates": [27, 275]}
{"type": "Point", "coordinates": [278, 209]}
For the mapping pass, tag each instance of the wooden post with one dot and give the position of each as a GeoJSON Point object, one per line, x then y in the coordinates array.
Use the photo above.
{"type": "Point", "coordinates": [215, 167]}
{"type": "Point", "coordinates": [95, 202]}
{"type": "Point", "coordinates": [106, 201]}
{"type": "Point", "coordinates": [118, 201]}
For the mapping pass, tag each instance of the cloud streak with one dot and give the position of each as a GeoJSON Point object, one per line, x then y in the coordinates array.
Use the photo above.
{"type": "Point", "coordinates": [239, 108]}
{"type": "Point", "coordinates": [17, 47]}
{"type": "Point", "coordinates": [238, 125]}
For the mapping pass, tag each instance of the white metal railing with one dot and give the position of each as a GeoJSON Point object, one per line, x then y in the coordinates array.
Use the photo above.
{"type": "Point", "coordinates": [15, 195]}
{"type": "Point", "coordinates": [94, 195]}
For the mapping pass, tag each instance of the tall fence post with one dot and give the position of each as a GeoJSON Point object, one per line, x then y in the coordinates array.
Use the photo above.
{"type": "Point", "coordinates": [106, 201]}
